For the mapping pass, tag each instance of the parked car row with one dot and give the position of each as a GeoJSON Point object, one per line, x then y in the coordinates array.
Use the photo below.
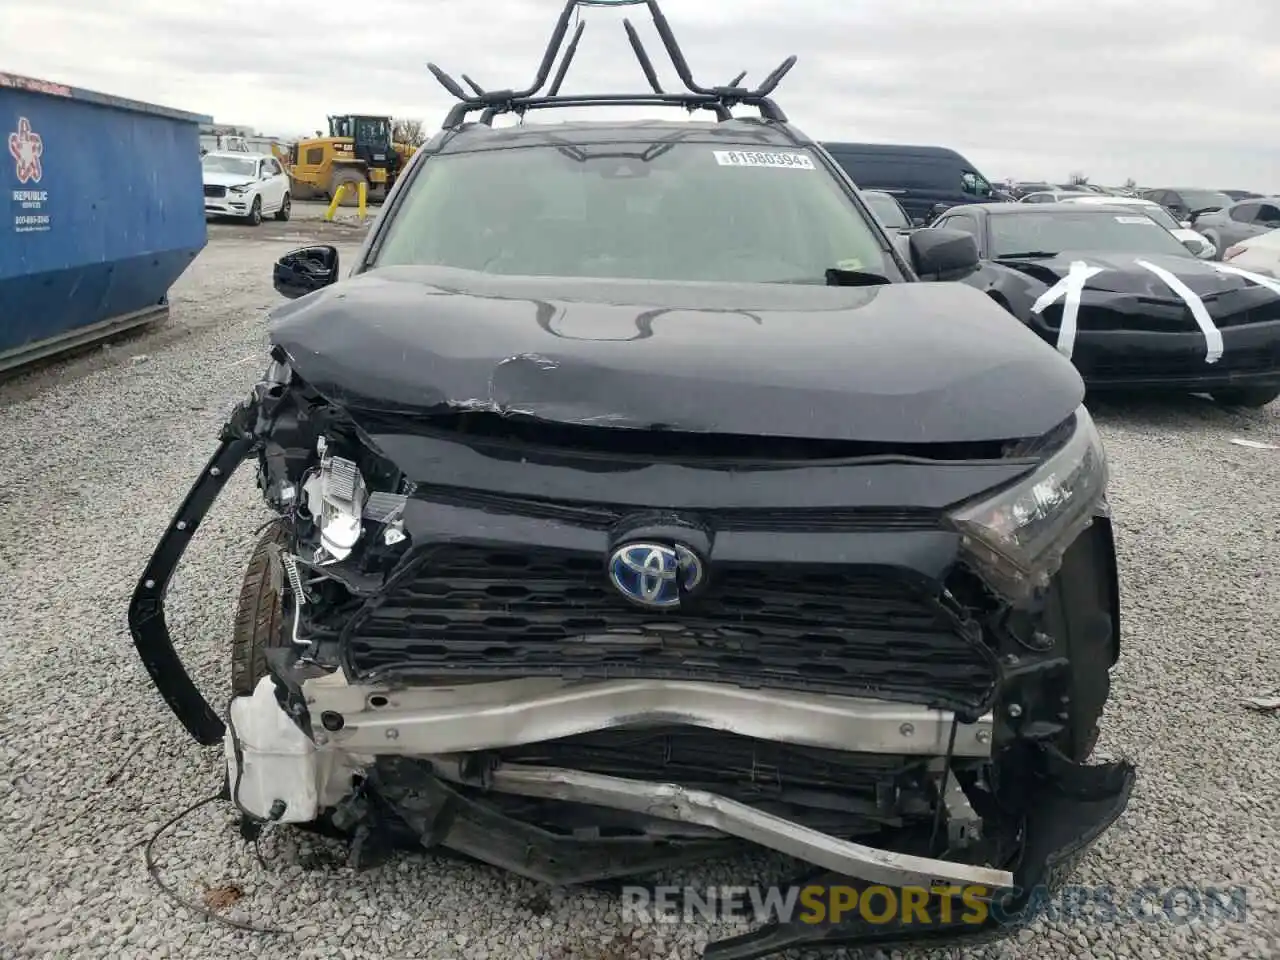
{"type": "Point", "coordinates": [1019, 189]}
{"type": "Point", "coordinates": [1237, 221]}
{"type": "Point", "coordinates": [925, 181]}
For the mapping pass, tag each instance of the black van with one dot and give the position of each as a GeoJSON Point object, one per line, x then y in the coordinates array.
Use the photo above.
{"type": "Point", "coordinates": [921, 178]}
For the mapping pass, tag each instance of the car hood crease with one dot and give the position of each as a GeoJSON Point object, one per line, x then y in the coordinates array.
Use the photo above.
{"type": "Point", "coordinates": [898, 363]}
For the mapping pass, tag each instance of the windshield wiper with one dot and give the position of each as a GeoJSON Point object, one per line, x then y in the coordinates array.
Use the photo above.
{"type": "Point", "coordinates": [836, 277]}
{"type": "Point", "coordinates": [1027, 255]}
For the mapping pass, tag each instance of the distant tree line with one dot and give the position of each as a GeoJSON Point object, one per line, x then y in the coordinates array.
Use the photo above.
{"type": "Point", "coordinates": [404, 130]}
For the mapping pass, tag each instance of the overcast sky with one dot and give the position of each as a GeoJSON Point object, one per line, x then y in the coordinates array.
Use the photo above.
{"type": "Point", "coordinates": [1175, 92]}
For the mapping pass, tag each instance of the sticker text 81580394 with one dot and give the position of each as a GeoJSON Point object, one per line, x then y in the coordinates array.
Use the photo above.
{"type": "Point", "coordinates": [756, 158]}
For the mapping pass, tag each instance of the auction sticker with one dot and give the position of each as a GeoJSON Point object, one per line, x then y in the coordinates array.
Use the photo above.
{"type": "Point", "coordinates": [1135, 220]}
{"type": "Point", "coordinates": [756, 158]}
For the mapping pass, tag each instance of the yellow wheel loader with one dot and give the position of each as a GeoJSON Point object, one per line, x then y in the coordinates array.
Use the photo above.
{"type": "Point", "coordinates": [358, 149]}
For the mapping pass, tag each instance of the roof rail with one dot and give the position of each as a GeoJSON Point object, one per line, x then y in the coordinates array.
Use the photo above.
{"type": "Point", "coordinates": [719, 100]}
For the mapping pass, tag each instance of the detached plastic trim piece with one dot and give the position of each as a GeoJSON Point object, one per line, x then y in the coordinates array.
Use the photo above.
{"type": "Point", "coordinates": [146, 608]}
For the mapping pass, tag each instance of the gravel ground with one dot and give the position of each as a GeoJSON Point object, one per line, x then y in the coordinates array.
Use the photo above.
{"type": "Point", "coordinates": [102, 448]}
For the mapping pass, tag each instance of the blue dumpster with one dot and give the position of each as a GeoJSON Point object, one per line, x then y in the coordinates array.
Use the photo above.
{"type": "Point", "coordinates": [105, 211]}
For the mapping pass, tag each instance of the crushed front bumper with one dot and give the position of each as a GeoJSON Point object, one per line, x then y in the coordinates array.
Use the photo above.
{"type": "Point", "coordinates": [1069, 811]}
{"type": "Point", "coordinates": [445, 799]}
{"type": "Point", "coordinates": [410, 750]}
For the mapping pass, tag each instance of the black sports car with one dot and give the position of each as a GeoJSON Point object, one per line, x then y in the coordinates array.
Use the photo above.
{"type": "Point", "coordinates": [1126, 301]}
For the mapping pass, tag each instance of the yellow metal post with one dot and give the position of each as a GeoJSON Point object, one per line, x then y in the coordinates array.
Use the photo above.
{"type": "Point", "coordinates": [363, 199]}
{"type": "Point", "coordinates": [337, 199]}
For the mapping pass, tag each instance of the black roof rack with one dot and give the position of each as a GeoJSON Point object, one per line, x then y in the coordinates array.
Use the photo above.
{"type": "Point", "coordinates": [719, 100]}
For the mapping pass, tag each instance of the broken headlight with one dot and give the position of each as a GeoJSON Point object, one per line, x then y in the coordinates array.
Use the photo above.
{"type": "Point", "coordinates": [1017, 537]}
{"type": "Point", "coordinates": [337, 498]}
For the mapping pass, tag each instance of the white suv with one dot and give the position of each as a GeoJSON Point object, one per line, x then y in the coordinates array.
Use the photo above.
{"type": "Point", "coordinates": [245, 185]}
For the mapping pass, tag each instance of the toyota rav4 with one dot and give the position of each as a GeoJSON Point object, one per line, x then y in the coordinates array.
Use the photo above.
{"type": "Point", "coordinates": [637, 502]}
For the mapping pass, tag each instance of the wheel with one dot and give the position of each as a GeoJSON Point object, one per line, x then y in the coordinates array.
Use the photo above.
{"type": "Point", "coordinates": [255, 212]}
{"type": "Point", "coordinates": [259, 614]}
{"type": "Point", "coordinates": [352, 180]}
{"type": "Point", "coordinates": [1254, 397]}
{"type": "Point", "coordinates": [286, 207]}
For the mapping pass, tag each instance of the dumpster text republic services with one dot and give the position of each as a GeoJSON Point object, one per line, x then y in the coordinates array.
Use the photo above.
{"type": "Point", "coordinates": [27, 150]}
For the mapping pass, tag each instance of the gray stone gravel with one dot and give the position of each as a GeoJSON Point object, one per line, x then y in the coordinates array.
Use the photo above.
{"type": "Point", "coordinates": [94, 456]}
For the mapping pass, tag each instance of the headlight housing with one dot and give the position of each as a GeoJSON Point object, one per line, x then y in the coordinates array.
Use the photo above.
{"type": "Point", "coordinates": [1016, 538]}
{"type": "Point", "coordinates": [243, 188]}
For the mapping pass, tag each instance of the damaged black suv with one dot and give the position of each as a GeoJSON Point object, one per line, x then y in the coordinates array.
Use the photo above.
{"type": "Point", "coordinates": [637, 502]}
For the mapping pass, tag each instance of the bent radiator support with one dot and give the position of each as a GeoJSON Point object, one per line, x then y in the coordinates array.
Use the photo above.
{"type": "Point", "coordinates": [442, 815]}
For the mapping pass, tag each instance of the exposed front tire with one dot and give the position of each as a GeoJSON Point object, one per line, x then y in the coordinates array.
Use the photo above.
{"type": "Point", "coordinates": [351, 179]}
{"type": "Point", "coordinates": [1254, 397]}
{"type": "Point", "coordinates": [259, 614]}
{"type": "Point", "coordinates": [255, 213]}
{"type": "Point", "coordinates": [286, 208]}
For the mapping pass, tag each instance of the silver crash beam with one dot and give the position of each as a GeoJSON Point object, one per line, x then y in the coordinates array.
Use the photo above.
{"type": "Point", "coordinates": [371, 719]}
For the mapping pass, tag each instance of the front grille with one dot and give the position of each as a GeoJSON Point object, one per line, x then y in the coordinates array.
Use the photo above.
{"type": "Point", "coordinates": [1158, 317]}
{"type": "Point", "coordinates": [212, 191]}
{"type": "Point", "coordinates": [472, 612]}
{"type": "Point", "coordinates": [1184, 363]}
{"type": "Point", "coordinates": [1167, 316]}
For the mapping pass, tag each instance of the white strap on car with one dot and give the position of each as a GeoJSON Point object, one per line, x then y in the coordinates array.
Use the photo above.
{"type": "Point", "coordinates": [1212, 335]}
{"type": "Point", "coordinates": [1071, 287]}
{"type": "Point", "coordinates": [1271, 283]}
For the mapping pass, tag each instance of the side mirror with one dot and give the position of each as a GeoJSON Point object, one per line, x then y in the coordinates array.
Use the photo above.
{"type": "Point", "coordinates": [305, 270]}
{"type": "Point", "coordinates": [941, 254]}
{"type": "Point", "coordinates": [1202, 248]}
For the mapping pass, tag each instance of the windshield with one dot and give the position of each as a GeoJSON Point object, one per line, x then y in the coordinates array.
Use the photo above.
{"type": "Point", "coordinates": [372, 130]}
{"type": "Point", "coordinates": [1100, 231]}
{"type": "Point", "coordinates": [1204, 199]}
{"type": "Point", "coordinates": [886, 210]}
{"type": "Point", "coordinates": [1157, 213]}
{"type": "Point", "coordinates": [667, 211]}
{"type": "Point", "coordinates": [237, 165]}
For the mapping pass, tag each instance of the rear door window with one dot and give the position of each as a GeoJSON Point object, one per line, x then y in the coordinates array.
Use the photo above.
{"type": "Point", "coordinates": [1268, 215]}
{"type": "Point", "coordinates": [1245, 212]}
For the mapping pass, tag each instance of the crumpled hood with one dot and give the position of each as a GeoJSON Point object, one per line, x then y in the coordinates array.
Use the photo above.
{"type": "Point", "coordinates": [897, 363]}
{"type": "Point", "coordinates": [217, 178]}
{"type": "Point", "coordinates": [1122, 273]}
